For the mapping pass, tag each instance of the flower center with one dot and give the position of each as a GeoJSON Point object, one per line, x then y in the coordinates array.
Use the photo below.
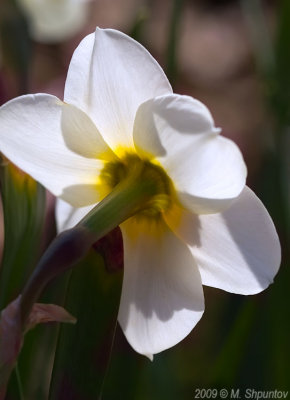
{"type": "Point", "coordinates": [131, 166]}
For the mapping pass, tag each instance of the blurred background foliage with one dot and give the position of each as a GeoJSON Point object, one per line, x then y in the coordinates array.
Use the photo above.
{"type": "Point", "coordinates": [233, 55]}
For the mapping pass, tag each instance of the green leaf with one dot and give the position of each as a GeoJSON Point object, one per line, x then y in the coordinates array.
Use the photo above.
{"type": "Point", "coordinates": [15, 43]}
{"type": "Point", "coordinates": [227, 364]}
{"type": "Point", "coordinates": [171, 56]}
{"type": "Point", "coordinates": [84, 350]}
{"type": "Point", "coordinates": [23, 202]}
{"type": "Point", "coordinates": [282, 100]}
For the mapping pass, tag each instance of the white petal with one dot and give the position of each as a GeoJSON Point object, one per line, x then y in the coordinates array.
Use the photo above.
{"type": "Point", "coordinates": [110, 75]}
{"type": "Point", "coordinates": [207, 169]}
{"type": "Point", "coordinates": [31, 138]}
{"type": "Point", "coordinates": [54, 21]}
{"type": "Point", "coordinates": [162, 297]}
{"type": "Point", "coordinates": [82, 136]}
{"type": "Point", "coordinates": [237, 250]}
{"type": "Point", "coordinates": [67, 216]}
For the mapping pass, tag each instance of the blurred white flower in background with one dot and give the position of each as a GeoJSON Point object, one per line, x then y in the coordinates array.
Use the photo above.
{"type": "Point", "coordinates": [54, 20]}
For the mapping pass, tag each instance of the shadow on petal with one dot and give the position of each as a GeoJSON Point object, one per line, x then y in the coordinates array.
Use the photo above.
{"type": "Point", "coordinates": [161, 277]}
{"type": "Point", "coordinates": [254, 233]}
{"type": "Point", "coordinates": [81, 195]}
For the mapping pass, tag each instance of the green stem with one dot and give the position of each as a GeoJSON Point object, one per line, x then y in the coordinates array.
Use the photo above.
{"type": "Point", "coordinates": [260, 36]}
{"type": "Point", "coordinates": [19, 383]}
{"type": "Point", "coordinates": [125, 200]}
{"type": "Point", "coordinates": [171, 59]}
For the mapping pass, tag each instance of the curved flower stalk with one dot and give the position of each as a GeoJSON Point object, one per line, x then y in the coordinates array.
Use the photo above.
{"type": "Point", "coordinates": [53, 21]}
{"type": "Point", "coordinates": [200, 226]}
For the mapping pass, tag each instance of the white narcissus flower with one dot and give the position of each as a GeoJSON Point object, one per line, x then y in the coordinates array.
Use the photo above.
{"type": "Point", "coordinates": [54, 20]}
{"type": "Point", "coordinates": [204, 227]}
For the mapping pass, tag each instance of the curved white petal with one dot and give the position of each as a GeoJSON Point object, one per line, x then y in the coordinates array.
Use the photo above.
{"type": "Point", "coordinates": [54, 20]}
{"type": "Point", "coordinates": [207, 170]}
{"type": "Point", "coordinates": [162, 297]}
{"type": "Point", "coordinates": [82, 136]}
{"type": "Point", "coordinates": [67, 216]}
{"type": "Point", "coordinates": [31, 137]}
{"type": "Point", "coordinates": [237, 250]}
{"type": "Point", "coordinates": [109, 76]}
